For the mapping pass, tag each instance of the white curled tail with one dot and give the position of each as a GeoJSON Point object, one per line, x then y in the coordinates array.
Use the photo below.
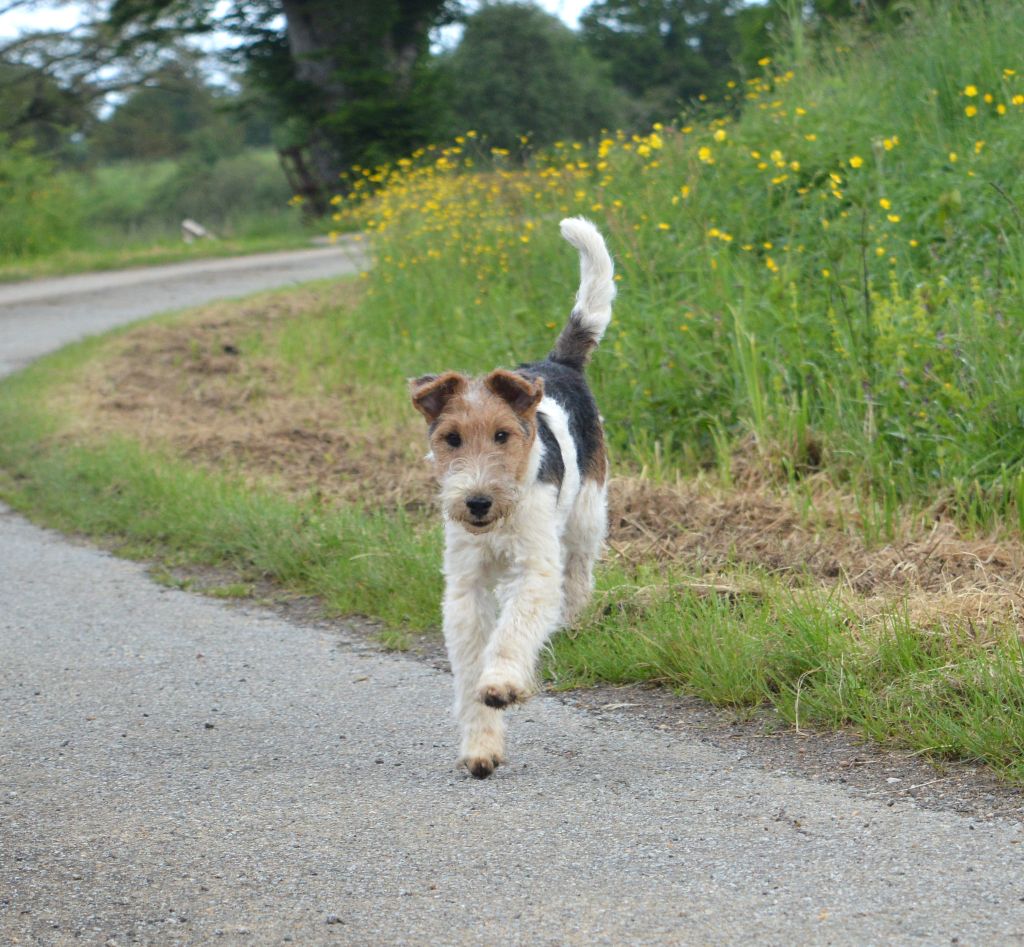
{"type": "Point", "coordinates": [593, 310]}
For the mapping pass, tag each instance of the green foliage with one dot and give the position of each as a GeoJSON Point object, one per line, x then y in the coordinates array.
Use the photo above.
{"type": "Point", "coordinates": [519, 70]}
{"type": "Point", "coordinates": [346, 80]}
{"type": "Point", "coordinates": [666, 53]}
{"type": "Point", "coordinates": [829, 283]}
{"type": "Point", "coordinates": [35, 107]}
{"type": "Point", "coordinates": [36, 213]}
{"type": "Point", "coordinates": [54, 221]}
{"type": "Point", "coordinates": [164, 118]}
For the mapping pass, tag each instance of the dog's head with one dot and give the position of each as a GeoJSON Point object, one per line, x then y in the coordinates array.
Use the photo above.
{"type": "Point", "coordinates": [482, 432]}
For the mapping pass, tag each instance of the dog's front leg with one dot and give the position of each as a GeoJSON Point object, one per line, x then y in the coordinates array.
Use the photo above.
{"type": "Point", "coordinates": [469, 613]}
{"type": "Point", "coordinates": [530, 604]}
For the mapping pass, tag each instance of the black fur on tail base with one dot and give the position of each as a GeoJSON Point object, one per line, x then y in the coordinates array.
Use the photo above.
{"type": "Point", "coordinates": [574, 344]}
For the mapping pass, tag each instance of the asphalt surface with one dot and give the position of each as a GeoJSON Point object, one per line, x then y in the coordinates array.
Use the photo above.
{"type": "Point", "coordinates": [175, 770]}
{"type": "Point", "coordinates": [40, 315]}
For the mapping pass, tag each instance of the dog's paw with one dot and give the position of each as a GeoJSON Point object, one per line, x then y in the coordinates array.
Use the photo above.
{"type": "Point", "coordinates": [501, 694]}
{"type": "Point", "coordinates": [480, 767]}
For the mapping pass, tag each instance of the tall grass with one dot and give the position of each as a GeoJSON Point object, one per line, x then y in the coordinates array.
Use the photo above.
{"type": "Point", "coordinates": [832, 279]}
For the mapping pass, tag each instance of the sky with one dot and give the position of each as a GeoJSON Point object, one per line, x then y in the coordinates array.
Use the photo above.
{"type": "Point", "coordinates": [66, 16]}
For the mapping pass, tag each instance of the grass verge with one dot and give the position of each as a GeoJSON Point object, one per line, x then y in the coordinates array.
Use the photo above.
{"type": "Point", "coordinates": [745, 639]}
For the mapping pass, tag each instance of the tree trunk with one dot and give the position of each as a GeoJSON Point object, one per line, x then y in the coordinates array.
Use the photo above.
{"type": "Point", "coordinates": [354, 54]}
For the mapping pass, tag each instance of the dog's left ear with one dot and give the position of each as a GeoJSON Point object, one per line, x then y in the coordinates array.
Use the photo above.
{"type": "Point", "coordinates": [522, 394]}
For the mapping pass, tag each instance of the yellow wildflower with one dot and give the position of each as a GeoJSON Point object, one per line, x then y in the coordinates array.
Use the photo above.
{"type": "Point", "coordinates": [856, 161]}
{"type": "Point", "coordinates": [971, 91]}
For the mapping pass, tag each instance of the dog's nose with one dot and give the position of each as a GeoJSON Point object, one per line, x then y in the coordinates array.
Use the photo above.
{"type": "Point", "coordinates": [479, 506]}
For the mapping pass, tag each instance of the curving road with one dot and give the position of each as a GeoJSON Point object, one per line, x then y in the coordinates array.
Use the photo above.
{"type": "Point", "coordinates": [174, 770]}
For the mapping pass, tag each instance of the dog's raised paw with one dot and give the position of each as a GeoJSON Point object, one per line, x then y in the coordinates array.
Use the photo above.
{"type": "Point", "coordinates": [480, 767]}
{"type": "Point", "coordinates": [499, 696]}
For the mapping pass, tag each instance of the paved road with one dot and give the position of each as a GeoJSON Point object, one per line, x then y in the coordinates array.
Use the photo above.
{"type": "Point", "coordinates": [174, 770]}
{"type": "Point", "coordinates": [40, 315]}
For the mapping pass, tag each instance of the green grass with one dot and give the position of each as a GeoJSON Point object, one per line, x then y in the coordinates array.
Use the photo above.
{"type": "Point", "coordinates": [159, 250]}
{"type": "Point", "coordinates": [815, 661]}
{"type": "Point", "coordinates": [869, 326]}
{"type": "Point", "coordinates": [357, 561]}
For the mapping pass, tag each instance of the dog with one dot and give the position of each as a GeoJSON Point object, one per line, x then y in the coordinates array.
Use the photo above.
{"type": "Point", "coordinates": [521, 461]}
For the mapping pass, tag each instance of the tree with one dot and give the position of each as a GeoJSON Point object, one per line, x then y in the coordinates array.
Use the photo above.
{"type": "Point", "coordinates": [518, 69]}
{"type": "Point", "coordinates": [35, 107]}
{"type": "Point", "coordinates": [346, 79]}
{"type": "Point", "coordinates": [762, 27]}
{"type": "Point", "coordinates": [162, 118]}
{"type": "Point", "coordinates": [664, 53]}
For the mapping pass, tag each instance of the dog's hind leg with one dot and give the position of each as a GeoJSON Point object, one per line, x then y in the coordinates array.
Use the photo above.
{"type": "Point", "coordinates": [469, 615]}
{"type": "Point", "coordinates": [584, 536]}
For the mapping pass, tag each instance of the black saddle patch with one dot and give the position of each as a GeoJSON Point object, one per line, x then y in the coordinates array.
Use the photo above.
{"type": "Point", "coordinates": [552, 466]}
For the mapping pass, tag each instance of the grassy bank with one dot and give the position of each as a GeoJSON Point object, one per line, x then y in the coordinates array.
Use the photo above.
{"type": "Point", "coordinates": [237, 493]}
{"type": "Point", "coordinates": [827, 283]}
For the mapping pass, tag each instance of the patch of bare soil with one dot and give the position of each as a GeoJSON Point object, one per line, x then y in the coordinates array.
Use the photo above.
{"type": "Point", "coordinates": [192, 386]}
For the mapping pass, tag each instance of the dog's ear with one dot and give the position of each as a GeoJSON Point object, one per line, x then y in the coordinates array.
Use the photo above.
{"type": "Point", "coordinates": [430, 393]}
{"type": "Point", "coordinates": [522, 394]}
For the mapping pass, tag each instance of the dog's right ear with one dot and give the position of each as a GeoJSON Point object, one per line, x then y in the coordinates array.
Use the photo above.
{"type": "Point", "coordinates": [431, 393]}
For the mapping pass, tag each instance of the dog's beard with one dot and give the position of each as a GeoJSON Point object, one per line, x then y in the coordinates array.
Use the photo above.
{"type": "Point", "coordinates": [462, 482]}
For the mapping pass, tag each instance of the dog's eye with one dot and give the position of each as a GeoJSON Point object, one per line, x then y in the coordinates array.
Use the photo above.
{"type": "Point", "coordinates": [453, 440]}
{"type": "Point", "coordinates": [501, 437]}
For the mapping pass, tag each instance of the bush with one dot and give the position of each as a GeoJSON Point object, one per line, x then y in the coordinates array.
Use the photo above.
{"type": "Point", "coordinates": [519, 70]}
{"type": "Point", "coordinates": [38, 213]}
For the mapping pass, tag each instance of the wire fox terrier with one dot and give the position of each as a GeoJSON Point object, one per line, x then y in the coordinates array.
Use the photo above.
{"type": "Point", "coordinates": [521, 462]}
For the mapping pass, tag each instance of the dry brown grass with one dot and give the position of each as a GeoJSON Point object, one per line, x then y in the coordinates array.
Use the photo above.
{"type": "Point", "coordinates": [191, 387]}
